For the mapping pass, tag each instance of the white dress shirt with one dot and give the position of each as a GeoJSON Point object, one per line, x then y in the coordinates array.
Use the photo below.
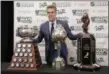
{"type": "Point", "coordinates": [50, 25]}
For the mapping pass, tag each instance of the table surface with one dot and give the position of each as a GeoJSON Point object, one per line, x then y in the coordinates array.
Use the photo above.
{"type": "Point", "coordinates": [48, 70]}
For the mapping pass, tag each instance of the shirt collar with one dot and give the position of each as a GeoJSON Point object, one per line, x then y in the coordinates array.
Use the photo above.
{"type": "Point", "coordinates": [52, 22]}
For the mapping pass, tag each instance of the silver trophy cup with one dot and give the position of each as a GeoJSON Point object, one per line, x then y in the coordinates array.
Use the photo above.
{"type": "Point", "coordinates": [26, 54]}
{"type": "Point", "coordinates": [27, 33]}
{"type": "Point", "coordinates": [58, 36]}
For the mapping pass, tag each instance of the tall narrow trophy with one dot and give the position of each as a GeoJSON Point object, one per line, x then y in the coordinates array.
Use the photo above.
{"type": "Point", "coordinates": [58, 36]}
{"type": "Point", "coordinates": [86, 48]}
{"type": "Point", "coordinates": [26, 54]}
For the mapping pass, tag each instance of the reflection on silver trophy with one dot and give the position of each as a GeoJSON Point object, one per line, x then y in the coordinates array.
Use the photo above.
{"type": "Point", "coordinates": [86, 48]}
{"type": "Point", "coordinates": [59, 34]}
{"type": "Point", "coordinates": [26, 55]}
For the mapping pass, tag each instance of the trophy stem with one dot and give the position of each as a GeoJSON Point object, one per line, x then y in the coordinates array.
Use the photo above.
{"type": "Point", "coordinates": [58, 47]}
{"type": "Point", "coordinates": [27, 39]}
{"type": "Point", "coordinates": [58, 62]}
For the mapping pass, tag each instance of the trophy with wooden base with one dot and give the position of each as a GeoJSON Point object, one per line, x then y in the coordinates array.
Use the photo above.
{"type": "Point", "coordinates": [26, 54]}
{"type": "Point", "coordinates": [58, 36]}
{"type": "Point", "coordinates": [86, 48]}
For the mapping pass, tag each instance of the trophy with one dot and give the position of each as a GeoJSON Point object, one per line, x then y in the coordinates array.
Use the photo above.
{"type": "Point", "coordinates": [59, 35]}
{"type": "Point", "coordinates": [26, 54]}
{"type": "Point", "coordinates": [86, 48]}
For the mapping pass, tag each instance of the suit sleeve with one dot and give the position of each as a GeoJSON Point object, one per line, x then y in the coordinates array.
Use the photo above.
{"type": "Point", "coordinates": [69, 34]}
{"type": "Point", "coordinates": [40, 36]}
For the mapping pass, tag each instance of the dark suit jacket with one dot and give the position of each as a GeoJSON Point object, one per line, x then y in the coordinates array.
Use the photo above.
{"type": "Point", "coordinates": [45, 33]}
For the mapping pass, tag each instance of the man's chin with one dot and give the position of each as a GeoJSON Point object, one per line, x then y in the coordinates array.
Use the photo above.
{"type": "Point", "coordinates": [51, 20]}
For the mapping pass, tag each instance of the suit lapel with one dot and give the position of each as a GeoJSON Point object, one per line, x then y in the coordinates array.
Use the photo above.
{"type": "Point", "coordinates": [48, 30]}
{"type": "Point", "coordinates": [58, 22]}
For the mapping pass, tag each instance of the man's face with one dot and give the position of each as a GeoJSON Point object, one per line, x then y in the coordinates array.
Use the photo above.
{"type": "Point", "coordinates": [51, 14]}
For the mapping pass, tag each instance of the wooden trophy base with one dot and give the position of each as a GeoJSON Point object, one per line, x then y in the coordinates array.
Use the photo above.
{"type": "Point", "coordinates": [26, 57]}
{"type": "Point", "coordinates": [86, 53]}
{"type": "Point", "coordinates": [87, 67]}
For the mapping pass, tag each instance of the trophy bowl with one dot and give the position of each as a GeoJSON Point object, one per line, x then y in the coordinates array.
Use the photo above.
{"type": "Point", "coordinates": [59, 34]}
{"type": "Point", "coordinates": [25, 31]}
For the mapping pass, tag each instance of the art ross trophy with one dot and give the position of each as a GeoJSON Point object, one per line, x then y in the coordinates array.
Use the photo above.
{"type": "Point", "coordinates": [26, 54]}
{"type": "Point", "coordinates": [86, 48]}
{"type": "Point", "coordinates": [59, 35]}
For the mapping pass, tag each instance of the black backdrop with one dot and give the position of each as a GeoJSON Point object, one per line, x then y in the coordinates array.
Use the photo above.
{"type": "Point", "coordinates": [7, 22]}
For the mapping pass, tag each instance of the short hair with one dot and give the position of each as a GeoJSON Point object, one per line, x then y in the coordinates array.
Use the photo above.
{"type": "Point", "coordinates": [52, 6]}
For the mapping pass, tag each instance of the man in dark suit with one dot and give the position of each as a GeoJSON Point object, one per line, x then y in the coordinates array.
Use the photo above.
{"type": "Point", "coordinates": [46, 31]}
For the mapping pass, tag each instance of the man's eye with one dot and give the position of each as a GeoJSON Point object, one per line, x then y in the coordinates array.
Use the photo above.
{"type": "Point", "coordinates": [50, 12]}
